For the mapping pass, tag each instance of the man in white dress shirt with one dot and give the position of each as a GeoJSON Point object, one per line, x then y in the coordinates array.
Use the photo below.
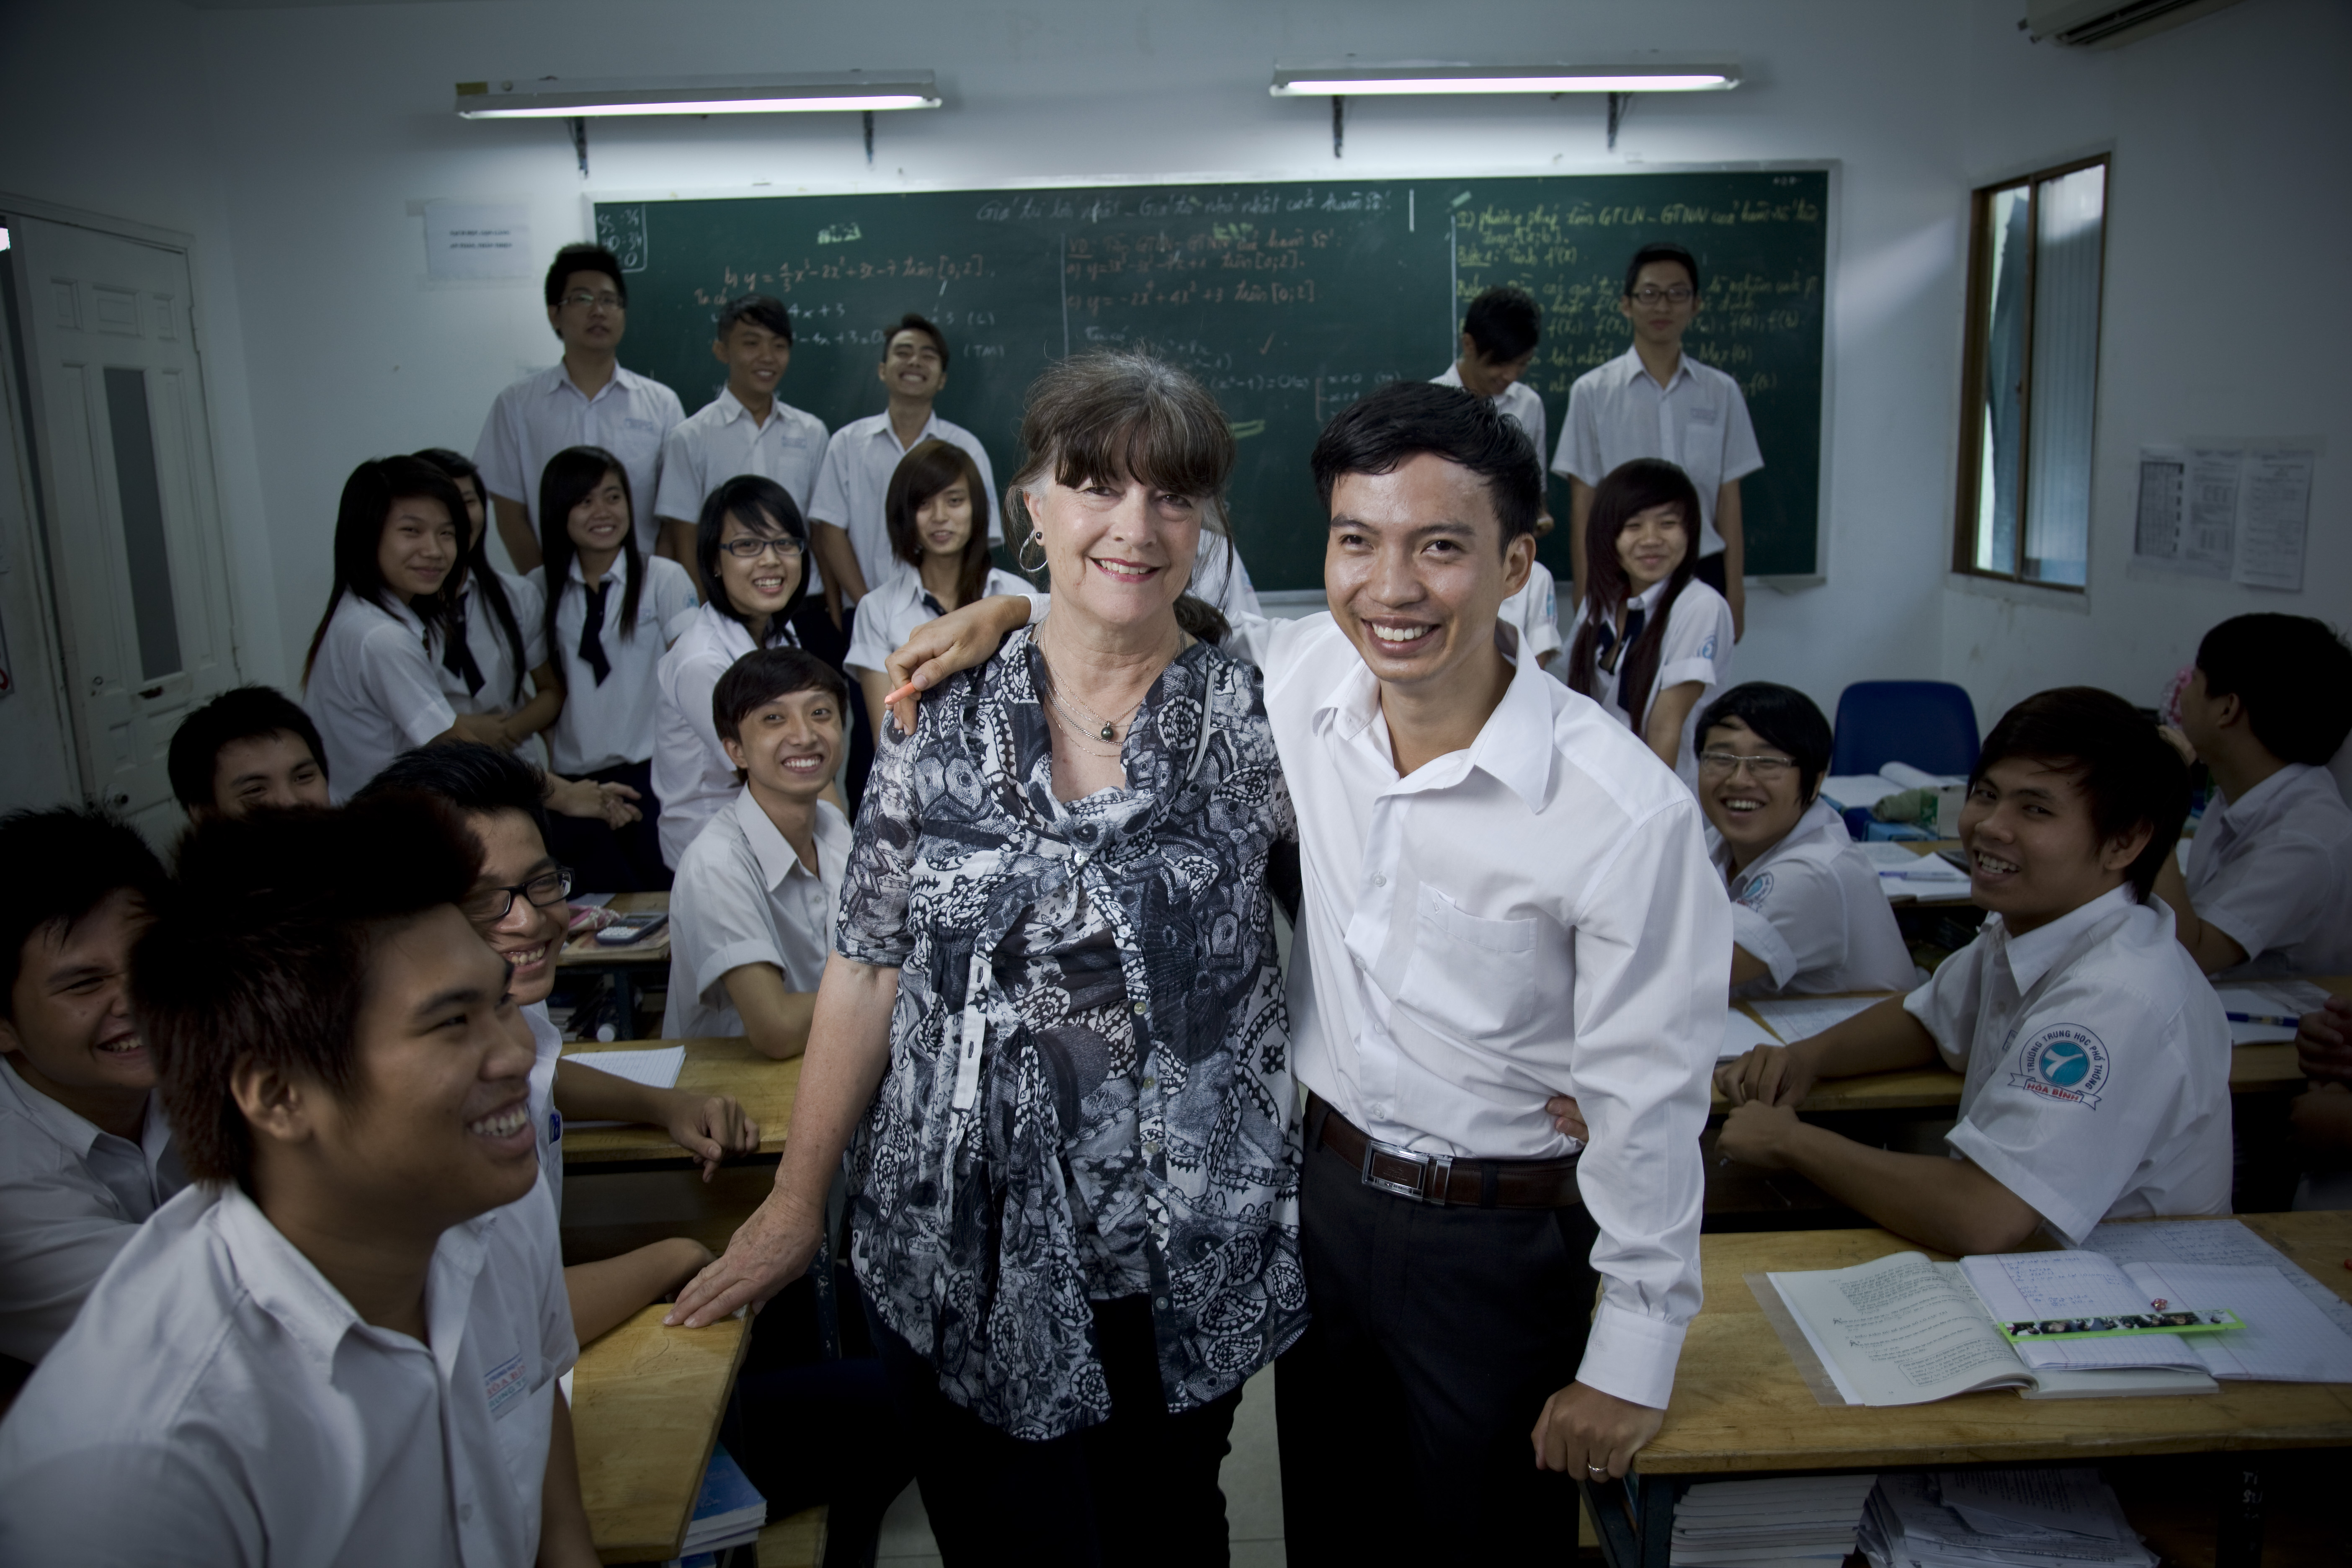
{"type": "Point", "coordinates": [847, 526]}
{"type": "Point", "coordinates": [1508, 899]}
{"type": "Point", "coordinates": [745, 431]}
{"type": "Point", "coordinates": [85, 1154]}
{"type": "Point", "coordinates": [1655, 401]}
{"type": "Point", "coordinates": [342, 1344]}
{"type": "Point", "coordinates": [2096, 1058]}
{"type": "Point", "coordinates": [586, 400]}
{"type": "Point", "coordinates": [2268, 889]}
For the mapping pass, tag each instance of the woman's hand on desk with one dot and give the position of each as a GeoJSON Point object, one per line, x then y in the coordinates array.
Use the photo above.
{"type": "Point", "coordinates": [768, 1252]}
{"type": "Point", "coordinates": [710, 1127]}
{"type": "Point", "coordinates": [1773, 1075]}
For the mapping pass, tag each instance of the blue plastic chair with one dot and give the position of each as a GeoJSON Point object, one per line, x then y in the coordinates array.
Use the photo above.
{"type": "Point", "coordinates": [1930, 724]}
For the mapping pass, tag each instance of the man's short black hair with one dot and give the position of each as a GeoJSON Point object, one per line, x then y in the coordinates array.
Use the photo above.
{"type": "Point", "coordinates": [1405, 418]}
{"type": "Point", "coordinates": [262, 952]}
{"type": "Point", "coordinates": [1661, 250]}
{"type": "Point", "coordinates": [761, 311]}
{"type": "Point", "coordinates": [2292, 674]}
{"type": "Point", "coordinates": [240, 713]}
{"type": "Point", "coordinates": [764, 674]}
{"type": "Point", "coordinates": [912, 323]}
{"type": "Point", "coordinates": [475, 778]}
{"type": "Point", "coordinates": [2127, 771]}
{"type": "Point", "coordinates": [1779, 716]}
{"type": "Point", "coordinates": [62, 863]}
{"type": "Point", "coordinates": [1505, 322]}
{"type": "Point", "coordinates": [583, 257]}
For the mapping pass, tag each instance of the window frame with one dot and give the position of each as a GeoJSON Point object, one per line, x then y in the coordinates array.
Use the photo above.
{"type": "Point", "coordinates": [1968, 498]}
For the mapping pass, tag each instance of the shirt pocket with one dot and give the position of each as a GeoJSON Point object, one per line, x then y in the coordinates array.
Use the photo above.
{"type": "Point", "coordinates": [1469, 975]}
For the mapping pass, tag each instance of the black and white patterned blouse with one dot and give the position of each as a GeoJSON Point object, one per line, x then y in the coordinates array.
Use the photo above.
{"type": "Point", "coordinates": [1089, 1091]}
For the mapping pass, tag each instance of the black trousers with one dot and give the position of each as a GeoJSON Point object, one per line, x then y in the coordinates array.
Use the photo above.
{"type": "Point", "coordinates": [1140, 1488]}
{"type": "Point", "coordinates": [1708, 569]}
{"type": "Point", "coordinates": [614, 860]}
{"type": "Point", "coordinates": [1405, 1410]}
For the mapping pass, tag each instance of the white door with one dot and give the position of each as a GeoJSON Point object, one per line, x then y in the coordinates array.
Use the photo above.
{"type": "Point", "coordinates": [124, 454]}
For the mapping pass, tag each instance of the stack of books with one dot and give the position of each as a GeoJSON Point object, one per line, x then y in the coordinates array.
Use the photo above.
{"type": "Point", "coordinates": [1797, 1522]}
{"type": "Point", "coordinates": [1999, 1518]}
{"type": "Point", "coordinates": [729, 1512]}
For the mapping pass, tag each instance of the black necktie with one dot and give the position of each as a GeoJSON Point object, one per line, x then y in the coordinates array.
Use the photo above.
{"type": "Point", "coordinates": [457, 654]}
{"type": "Point", "coordinates": [932, 604]}
{"type": "Point", "coordinates": [592, 632]}
{"type": "Point", "coordinates": [1606, 636]}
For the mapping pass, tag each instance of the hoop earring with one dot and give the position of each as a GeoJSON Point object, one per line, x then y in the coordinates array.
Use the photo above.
{"type": "Point", "coordinates": [1022, 554]}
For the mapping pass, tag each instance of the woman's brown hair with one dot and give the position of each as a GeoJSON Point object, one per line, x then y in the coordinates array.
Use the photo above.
{"type": "Point", "coordinates": [927, 469]}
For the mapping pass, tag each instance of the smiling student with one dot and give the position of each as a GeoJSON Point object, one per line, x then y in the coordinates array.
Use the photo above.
{"type": "Point", "coordinates": [495, 639]}
{"type": "Point", "coordinates": [2096, 1058]}
{"type": "Point", "coordinates": [586, 400]}
{"type": "Point", "coordinates": [847, 522]}
{"type": "Point", "coordinates": [85, 1154]}
{"type": "Point", "coordinates": [1649, 642]}
{"type": "Point", "coordinates": [1499, 335]}
{"type": "Point", "coordinates": [342, 1343]}
{"type": "Point", "coordinates": [1807, 916]}
{"type": "Point", "coordinates": [755, 554]}
{"type": "Point", "coordinates": [746, 430]}
{"type": "Point", "coordinates": [251, 746]}
{"type": "Point", "coordinates": [2269, 884]}
{"type": "Point", "coordinates": [517, 904]}
{"type": "Point", "coordinates": [610, 612]}
{"type": "Point", "coordinates": [933, 505]}
{"type": "Point", "coordinates": [751, 913]}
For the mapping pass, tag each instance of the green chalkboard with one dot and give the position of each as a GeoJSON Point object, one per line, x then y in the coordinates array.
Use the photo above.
{"type": "Point", "coordinates": [1288, 299]}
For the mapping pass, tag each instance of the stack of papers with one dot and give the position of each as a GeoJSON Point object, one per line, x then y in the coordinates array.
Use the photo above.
{"type": "Point", "coordinates": [1902, 873]}
{"type": "Point", "coordinates": [1800, 1521]}
{"type": "Point", "coordinates": [2268, 999]}
{"type": "Point", "coordinates": [655, 1068]}
{"type": "Point", "coordinates": [2012, 1518]}
{"type": "Point", "coordinates": [1850, 790]}
{"type": "Point", "coordinates": [730, 1511]}
{"type": "Point", "coordinates": [1742, 1034]}
{"type": "Point", "coordinates": [1795, 1019]}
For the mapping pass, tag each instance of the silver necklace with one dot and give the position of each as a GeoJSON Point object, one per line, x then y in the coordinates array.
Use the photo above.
{"type": "Point", "coordinates": [1104, 730]}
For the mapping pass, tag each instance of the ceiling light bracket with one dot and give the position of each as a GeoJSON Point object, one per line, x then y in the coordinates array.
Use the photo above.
{"type": "Point", "coordinates": [579, 127]}
{"type": "Point", "coordinates": [869, 138]}
{"type": "Point", "coordinates": [1619, 102]}
{"type": "Point", "coordinates": [1338, 122]}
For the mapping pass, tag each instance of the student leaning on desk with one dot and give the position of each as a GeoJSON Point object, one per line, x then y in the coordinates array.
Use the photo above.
{"type": "Point", "coordinates": [2096, 1058]}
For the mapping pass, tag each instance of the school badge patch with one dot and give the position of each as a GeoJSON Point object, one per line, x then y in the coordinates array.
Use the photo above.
{"type": "Point", "coordinates": [1758, 889]}
{"type": "Point", "coordinates": [2064, 1061]}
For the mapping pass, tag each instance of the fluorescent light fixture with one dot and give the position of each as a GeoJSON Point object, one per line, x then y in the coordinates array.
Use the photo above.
{"type": "Point", "coordinates": [551, 97]}
{"type": "Point", "coordinates": [1373, 81]}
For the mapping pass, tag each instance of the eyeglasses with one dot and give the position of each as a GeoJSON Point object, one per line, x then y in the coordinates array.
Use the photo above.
{"type": "Point", "coordinates": [1650, 294]}
{"type": "Point", "coordinates": [1765, 770]}
{"type": "Point", "coordinates": [753, 549]}
{"type": "Point", "coordinates": [488, 906]}
{"type": "Point", "coordinates": [586, 302]}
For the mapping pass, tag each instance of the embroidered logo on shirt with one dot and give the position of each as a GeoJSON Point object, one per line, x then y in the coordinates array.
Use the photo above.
{"type": "Point", "coordinates": [1758, 889]}
{"type": "Point", "coordinates": [555, 1126]}
{"type": "Point", "coordinates": [2064, 1061]}
{"type": "Point", "coordinates": [505, 1386]}
{"type": "Point", "coordinates": [1706, 649]}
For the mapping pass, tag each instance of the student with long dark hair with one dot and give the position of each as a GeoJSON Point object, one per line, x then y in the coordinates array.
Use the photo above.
{"type": "Point", "coordinates": [495, 641]}
{"type": "Point", "coordinates": [372, 681]}
{"type": "Point", "coordinates": [752, 547]}
{"type": "Point", "coordinates": [608, 608]}
{"type": "Point", "coordinates": [1649, 641]}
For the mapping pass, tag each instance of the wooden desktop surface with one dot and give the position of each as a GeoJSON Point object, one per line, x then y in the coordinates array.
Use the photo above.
{"type": "Point", "coordinates": [1739, 1405]}
{"type": "Point", "coordinates": [764, 1088]}
{"type": "Point", "coordinates": [645, 1404]}
{"type": "Point", "coordinates": [582, 952]}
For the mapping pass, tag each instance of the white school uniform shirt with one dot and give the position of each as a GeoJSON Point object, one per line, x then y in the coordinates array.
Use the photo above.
{"type": "Point", "coordinates": [545, 412]}
{"type": "Point", "coordinates": [547, 1045]}
{"type": "Point", "coordinates": [1532, 916]}
{"type": "Point", "coordinates": [1534, 613]}
{"type": "Point", "coordinates": [722, 441]}
{"type": "Point", "coordinates": [2272, 870]}
{"type": "Point", "coordinates": [692, 777]}
{"type": "Point", "coordinates": [602, 726]}
{"type": "Point", "coordinates": [495, 659]}
{"type": "Point", "coordinates": [887, 616]}
{"type": "Point", "coordinates": [374, 690]}
{"type": "Point", "coordinates": [219, 1403]}
{"type": "Point", "coordinates": [1220, 577]}
{"type": "Point", "coordinates": [70, 1196]}
{"type": "Point", "coordinates": [743, 897]}
{"type": "Point", "coordinates": [1698, 646]}
{"type": "Point", "coordinates": [1518, 403]}
{"type": "Point", "coordinates": [854, 480]}
{"type": "Point", "coordinates": [1811, 911]}
{"type": "Point", "coordinates": [2097, 1065]}
{"type": "Point", "coordinates": [1698, 421]}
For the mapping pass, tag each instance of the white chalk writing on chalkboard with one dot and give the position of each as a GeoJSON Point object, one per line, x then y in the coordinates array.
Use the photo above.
{"type": "Point", "coordinates": [622, 231]}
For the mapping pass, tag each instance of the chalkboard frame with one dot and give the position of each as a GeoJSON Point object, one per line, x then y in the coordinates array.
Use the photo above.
{"type": "Point", "coordinates": [1833, 227]}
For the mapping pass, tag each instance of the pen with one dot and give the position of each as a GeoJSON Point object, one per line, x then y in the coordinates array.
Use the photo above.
{"type": "Point", "coordinates": [906, 690]}
{"type": "Point", "coordinates": [2289, 1021]}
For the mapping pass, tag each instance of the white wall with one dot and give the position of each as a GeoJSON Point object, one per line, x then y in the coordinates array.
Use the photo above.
{"type": "Point", "coordinates": [2229, 219]}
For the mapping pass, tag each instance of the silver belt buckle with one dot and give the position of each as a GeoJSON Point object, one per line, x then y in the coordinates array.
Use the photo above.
{"type": "Point", "coordinates": [1422, 1189]}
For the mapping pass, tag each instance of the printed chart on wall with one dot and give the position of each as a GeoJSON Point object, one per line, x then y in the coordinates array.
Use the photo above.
{"type": "Point", "coordinates": [2235, 511]}
{"type": "Point", "coordinates": [1288, 299]}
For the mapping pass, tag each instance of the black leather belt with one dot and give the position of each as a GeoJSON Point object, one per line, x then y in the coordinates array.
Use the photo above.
{"type": "Point", "coordinates": [1442, 1179]}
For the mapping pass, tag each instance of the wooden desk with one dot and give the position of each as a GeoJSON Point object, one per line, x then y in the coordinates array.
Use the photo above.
{"type": "Point", "coordinates": [1739, 1405]}
{"type": "Point", "coordinates": [765, 1089]}
{"type": "Point", "coordinates": [645, 1403]}
{"type": "Point", "coordinates": [627, 968]}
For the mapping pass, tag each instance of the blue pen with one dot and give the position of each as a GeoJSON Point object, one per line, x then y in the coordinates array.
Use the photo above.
{"type": "Point", "coordinates": [2292, 1021]}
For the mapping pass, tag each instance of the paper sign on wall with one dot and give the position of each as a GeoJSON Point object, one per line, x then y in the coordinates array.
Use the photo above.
{"type": "Point", "coordinates": [2235, 512]}
{"type": "Point", "coordinates": [465, 240]}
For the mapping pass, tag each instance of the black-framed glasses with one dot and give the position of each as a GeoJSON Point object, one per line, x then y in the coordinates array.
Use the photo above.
{"type": "Point", "coordinates": [488, 906]}
{"type": "Point", "coordinates": [786, 548]}
{"type": "Point", "coordinates": [1764, 770]}
{"type": "Point", "coordinates": [587, 302]}
{"type": "Point", "coordinates": [1650, 294]}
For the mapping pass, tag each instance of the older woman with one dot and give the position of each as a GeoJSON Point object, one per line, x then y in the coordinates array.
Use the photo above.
{"type": "Point", "coordinates": [1055, 1023]}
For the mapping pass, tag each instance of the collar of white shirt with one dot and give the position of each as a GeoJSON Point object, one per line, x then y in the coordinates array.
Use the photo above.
{"type": "Point", "coordinates": [1514, 746]}
{"type": "Point", "coordinates": [730, 409]}
{"type": "Point", "coordinates": [76, 1131]}
{"type": "Point", "coordinates": [314, 1314]}
{"type": "Point", "coordinates": [778, 859]}
{"type": "Point", "coordinates": [1646, 601]}
{"type": "Point", "coordinates": [2250, 809]}
{"type": "Point", "coordinates": [885, 430]}
{"type": "Point", "coordinates": [1632, 362]}
{"type": "Point", "coordinates": [1816, 822]}
{"type": "Point", "coordinates": [2031, 955]}
{"type": "Point", "coordinates": [558, 381]}
{"type": "Point", "coordinates": [618, 572]}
